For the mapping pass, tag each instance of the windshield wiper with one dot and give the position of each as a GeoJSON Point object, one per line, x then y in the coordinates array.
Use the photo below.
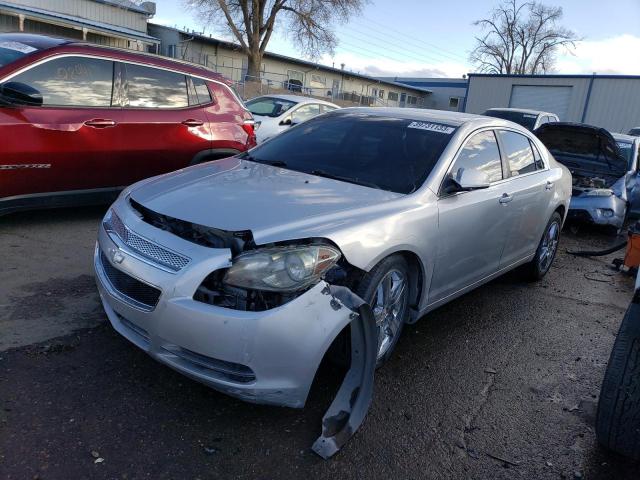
{"type": "Point", "coordinates": [332, 176]}
{"type": "Point", "coordinates": [273, 163]}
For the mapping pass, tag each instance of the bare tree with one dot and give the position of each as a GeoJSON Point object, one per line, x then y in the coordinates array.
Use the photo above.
{"type": "Point", "coordinates": [252, 22]}
{"type": "Point", "coordinates": [521, 38]}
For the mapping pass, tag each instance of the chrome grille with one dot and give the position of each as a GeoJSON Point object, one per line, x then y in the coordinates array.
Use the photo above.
{"type": "Point", "coordinates": [140, 245]}
{"type": "Point", "coordinates": [129, 289]}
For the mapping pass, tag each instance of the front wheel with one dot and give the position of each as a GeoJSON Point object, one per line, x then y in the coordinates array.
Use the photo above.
{"type": "Point", "coordinates": [386, 289]}
{"type": "Point", "coordinates": [547, 248]}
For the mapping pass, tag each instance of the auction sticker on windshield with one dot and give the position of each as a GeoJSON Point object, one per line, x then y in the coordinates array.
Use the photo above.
{"type": "Point", "coordinates": [432, 127]}
{"type": "Point", "coordinates": [17, 46]}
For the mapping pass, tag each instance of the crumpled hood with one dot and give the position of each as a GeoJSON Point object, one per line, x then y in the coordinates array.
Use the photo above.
{"type": "Point", "coordinates": [234, 195]}
{"type": "Point", "coordinates": [584, 149]}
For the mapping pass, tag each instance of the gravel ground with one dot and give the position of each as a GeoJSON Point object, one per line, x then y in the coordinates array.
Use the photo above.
{"type": "Point", "coordinates": [502, 383]}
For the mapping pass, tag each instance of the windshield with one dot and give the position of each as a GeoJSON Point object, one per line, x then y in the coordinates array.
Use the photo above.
{"type": "Point", "coordinates": [527, 120]}
{"type": "Point", "coordinates": [380, 152]}
{"type": "Point", "coordinates": [269, 107]}
{"type": "Point", "coordinates": [12, 51]}
{"type": "Point", "coordinates": [626, 150]}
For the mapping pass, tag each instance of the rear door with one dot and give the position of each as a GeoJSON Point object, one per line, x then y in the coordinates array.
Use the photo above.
{"type": "Point", "coordinates": [531, 190]}
{"type": "Point", "coordinates": [161, 126]}
{"type": "Point", "coordinates": [64, 143]}
{"type": "Point", "coordinates": [472, 225]}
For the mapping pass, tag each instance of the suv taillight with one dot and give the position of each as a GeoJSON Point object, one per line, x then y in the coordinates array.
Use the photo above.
{"type": "Point", "coordinates": [249, 127]}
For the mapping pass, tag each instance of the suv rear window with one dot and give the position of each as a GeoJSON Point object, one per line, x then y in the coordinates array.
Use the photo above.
{"type": "Point", "coordinates": [393, 154]}
{"type": "Point", "coordinates": [527, 120]}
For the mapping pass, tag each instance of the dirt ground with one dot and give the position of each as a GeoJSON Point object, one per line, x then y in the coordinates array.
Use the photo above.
{"type": "Point", "coordinates": [502, 383]}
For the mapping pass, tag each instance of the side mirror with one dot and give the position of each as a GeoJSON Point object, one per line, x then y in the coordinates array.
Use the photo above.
{"type": "Point", "coordinates": [466, 179]}
{"type": "Point", "coordinates": [16, 93]}
{"type": "Point", "coordinates": [286, 121]}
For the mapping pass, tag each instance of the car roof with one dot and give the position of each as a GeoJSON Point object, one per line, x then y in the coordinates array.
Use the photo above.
{"type": "Point", "coordinates": [296, 98]}
{"type": "Point", "coordinates": [521, 110]}
{"type": "Point", "coordinates": [41, 42]}
{"type": "Point", "coordinates": [625, 138]}
{"type": "Point", "coordinates": [44, 42]}
{"type": "Point", "coordinates": [427, 115]}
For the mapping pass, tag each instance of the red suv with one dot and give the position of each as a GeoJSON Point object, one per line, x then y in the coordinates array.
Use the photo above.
{"type": "Point", "coordinates": [80, 122]}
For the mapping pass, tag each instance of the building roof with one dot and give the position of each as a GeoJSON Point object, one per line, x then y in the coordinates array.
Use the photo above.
{"type": "Point", "coordinates": [56, 17]}
{"type": "Point", "coordinates": [429, 82]}
{"type": "Point", "coordinates": [147, 8]}
{"type": "Point", "coordinates": [286, 58]}
{"type": "Point", "coordinates": [551, 75]}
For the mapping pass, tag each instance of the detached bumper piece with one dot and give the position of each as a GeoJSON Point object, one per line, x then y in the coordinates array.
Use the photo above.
{"type": "Point", "coordinates": [352, 402]}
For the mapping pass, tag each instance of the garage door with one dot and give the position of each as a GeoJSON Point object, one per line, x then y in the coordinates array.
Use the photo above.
{"type": "Point", "coordinates": [548, 99]}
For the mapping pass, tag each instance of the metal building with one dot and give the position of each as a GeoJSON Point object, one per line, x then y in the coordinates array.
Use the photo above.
{"type": "Point", "coordinates": [118, 23]}
{"type": "Point", "coordinates": [446, 93]}
{"type": "Point", "coordinates": [609, 101]}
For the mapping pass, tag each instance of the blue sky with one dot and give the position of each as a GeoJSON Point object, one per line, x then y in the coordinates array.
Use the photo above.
{"type": "Point", "coordinates": [433, 38]}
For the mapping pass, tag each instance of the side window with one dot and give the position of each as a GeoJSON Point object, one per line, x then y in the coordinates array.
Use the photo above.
{"type": "Point", "coordinates": [305, 112]}
{"type": "Point", "coordinates": [149, 87]}
{"type": "Point", "coordinates": [481, 153]}
{"type": "Point", "coordinates": [326, 108]}
{"type": "Point", "coordinates": [537, 156]}
{"type": "Point", "coordinates": [204, 95]}
{"type": "Point", "coordinates": [71, 81]}
{"type": "Point", "coordinates": [518, 152]}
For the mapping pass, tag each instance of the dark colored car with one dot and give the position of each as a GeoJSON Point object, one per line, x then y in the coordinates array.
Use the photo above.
{"type": "Point", "coordinates": [79, 122]}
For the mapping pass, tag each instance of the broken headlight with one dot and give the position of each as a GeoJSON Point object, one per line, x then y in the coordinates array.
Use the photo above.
{"type": "Point", "coordinates": [599, 192]}
{"type": "Point", "coordinates": [281, 269]}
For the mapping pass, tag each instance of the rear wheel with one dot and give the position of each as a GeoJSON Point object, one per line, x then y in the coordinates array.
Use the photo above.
{"type": "Point", "coordinates": [547, 248]}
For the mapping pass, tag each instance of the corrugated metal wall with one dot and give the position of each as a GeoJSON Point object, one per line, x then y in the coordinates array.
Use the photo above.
{"type": "Point", "coordinates": [9, 23]}
{"type": "Point", "coordinates": [614, 103]}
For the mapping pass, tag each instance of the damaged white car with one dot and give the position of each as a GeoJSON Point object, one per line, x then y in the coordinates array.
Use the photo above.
{"type": "Point", "coordinates": [228, 271]}
{"type": "Point", "coordinates": [603, 169]}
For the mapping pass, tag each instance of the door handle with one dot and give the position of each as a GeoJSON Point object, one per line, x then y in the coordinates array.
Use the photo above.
{"type": "Point", "coordinates": [505, 198]}
{"type": "Point", "coordinates": [548, 186]}
{"type": "Point", "coordinates": [191, 122]}
{"type": "Point", "coordinates": [100, 123]}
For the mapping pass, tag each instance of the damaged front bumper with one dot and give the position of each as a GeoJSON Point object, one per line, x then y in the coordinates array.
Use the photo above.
{"type": "Point", "coordinates": [610, 210]}
{"type": "Point", "coordinates": [268, 357]}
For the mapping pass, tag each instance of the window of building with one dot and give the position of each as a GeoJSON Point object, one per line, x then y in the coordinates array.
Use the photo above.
{"type": "Point", "coordinates": [454, 102]}
{"type": "Point", "coordinates": [381, 94]}
{"type": "Point", "coordinates": [393, 96]}
{"type": "Point", "coordinates": [318, 81]}
{"type": "Point", "coordinates": [480, 153]}
{"type": "Point", "coordinates": [411, 100]}
{"type": "Point", "coordinates": [71, 81]}
{"type": "Point", "coordinates": [518, 151]}
{"type": "Point", "coordinates": [154, 88]}
{"type": "Point", "coordinates": [171, 51]}
{"type": "Point", "coordinates": [296, 75]}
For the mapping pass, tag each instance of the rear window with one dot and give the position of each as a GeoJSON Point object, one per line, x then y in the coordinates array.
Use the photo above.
{"type": "Point", "coordinates": [380, 152]}
{"type": "Point", "coordinates": [527, 120]}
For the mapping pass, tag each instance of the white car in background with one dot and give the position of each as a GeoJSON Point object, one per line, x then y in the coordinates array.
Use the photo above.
{"type": "Point", "coordinates": [277, 113]}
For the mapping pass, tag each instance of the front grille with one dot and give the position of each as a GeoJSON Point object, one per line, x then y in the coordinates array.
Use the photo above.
{"type": "Point", "coordinates": [234, 372]}
{"type": "Point", "coordinates": [135, 292]}
{"type": "Point", "coordinates": [144, 247]}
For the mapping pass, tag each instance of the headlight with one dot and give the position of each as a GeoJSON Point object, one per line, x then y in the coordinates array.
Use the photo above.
{"type": "Point", "coordinates": [281, 269]}
{"type": "Point", "coordinates": [599, 192]}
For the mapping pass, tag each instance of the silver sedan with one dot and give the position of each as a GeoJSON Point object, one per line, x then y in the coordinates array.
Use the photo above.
{"type": "Point", "coordinates": [224, 271]}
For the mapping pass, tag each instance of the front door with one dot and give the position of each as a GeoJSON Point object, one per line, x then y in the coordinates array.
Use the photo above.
{"type": "Point", "coordinates": [472, 225]}
{"type": "Point", "coordinates": [64, 143]}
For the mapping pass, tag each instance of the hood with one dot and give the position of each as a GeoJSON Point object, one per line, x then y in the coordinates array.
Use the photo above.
{"type": "Point", "coordinates": [584, 149]}
{"type": "Point", "coordinates": [235, 195]}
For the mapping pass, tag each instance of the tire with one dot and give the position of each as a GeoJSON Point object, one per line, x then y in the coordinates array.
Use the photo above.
{"type": "Point", "coordinates": [618, 417]}
{"type": "Point", "coordinates": [538, 267]}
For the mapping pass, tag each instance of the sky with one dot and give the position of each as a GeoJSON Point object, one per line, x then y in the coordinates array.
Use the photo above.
{"type": "Point", "coordinates": [429, 38]}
